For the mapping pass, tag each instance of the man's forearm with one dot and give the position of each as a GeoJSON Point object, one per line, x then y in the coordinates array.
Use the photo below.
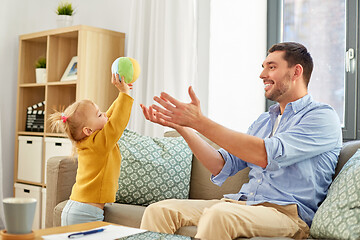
{"type": "Point", "coordinates": [246, 147]}
{"type": "Point", "coordinates": [205, 153]}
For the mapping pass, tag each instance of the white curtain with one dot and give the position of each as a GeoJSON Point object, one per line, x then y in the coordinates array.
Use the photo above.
{"type": "Point", "coordinates": [163, 39]}
{"type": "Point", "coordinates": [1, 184]}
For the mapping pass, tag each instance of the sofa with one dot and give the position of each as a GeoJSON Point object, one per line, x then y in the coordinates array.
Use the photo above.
{"type": "Point", "coordinates": [61, 173]}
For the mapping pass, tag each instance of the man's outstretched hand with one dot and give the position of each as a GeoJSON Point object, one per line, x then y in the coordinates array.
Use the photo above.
{"type": "Point", "coordinates": [174, 112]}
{"type": "Point", "coordinates": [156, 117]}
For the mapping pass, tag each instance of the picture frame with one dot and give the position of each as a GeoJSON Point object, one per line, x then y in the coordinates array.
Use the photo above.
{"type": "Point", "coordinates": [70, 73]}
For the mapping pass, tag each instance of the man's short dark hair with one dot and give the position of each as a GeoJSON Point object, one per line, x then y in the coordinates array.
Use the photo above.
{"type": "Point", "coordinates": [296, 53]}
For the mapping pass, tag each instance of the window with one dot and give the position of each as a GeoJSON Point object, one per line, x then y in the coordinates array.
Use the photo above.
{"type": "Point", "coordinates": [328, 29]}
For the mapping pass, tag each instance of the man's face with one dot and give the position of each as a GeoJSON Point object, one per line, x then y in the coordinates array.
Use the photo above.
{"type": "Point", "coordinates": [276, 76]}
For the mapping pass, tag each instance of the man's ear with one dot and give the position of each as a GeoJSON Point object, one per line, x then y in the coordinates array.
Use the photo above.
{"type": "Point", "coordinates": [298, 71]}
{"type": "Point", "coordinates": [87, 131]}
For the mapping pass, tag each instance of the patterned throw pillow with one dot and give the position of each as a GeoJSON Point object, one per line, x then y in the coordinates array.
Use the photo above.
{"type": "Point", "coordinates": [153, 169]}
{"type": "Point", "coordinates": [338, 217]}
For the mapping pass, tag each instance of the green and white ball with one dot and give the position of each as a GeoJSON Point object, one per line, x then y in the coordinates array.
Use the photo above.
{"type": "Point", "coordinates": [126, 67]}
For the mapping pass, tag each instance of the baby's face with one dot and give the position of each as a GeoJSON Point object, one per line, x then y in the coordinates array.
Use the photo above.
{"type": "Point", "coordinates": [96, 118]}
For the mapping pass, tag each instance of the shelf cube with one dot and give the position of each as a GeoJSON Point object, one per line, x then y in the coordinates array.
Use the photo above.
{"type": "Point", "coordinates": [30, 159]}
{"type": "Point", "coordinates": [56, 147]}
{"type": "Point", "coordinates": [30, 191]}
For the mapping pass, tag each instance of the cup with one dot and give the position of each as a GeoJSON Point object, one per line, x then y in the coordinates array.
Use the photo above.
{"type": "Point", "coordinates": [19, 214]}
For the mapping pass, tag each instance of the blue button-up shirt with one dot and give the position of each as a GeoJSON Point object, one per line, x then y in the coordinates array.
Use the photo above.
{"type": "Point", "coordinates": [302, 156]}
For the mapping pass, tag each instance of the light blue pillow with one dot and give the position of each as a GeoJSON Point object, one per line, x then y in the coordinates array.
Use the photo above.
{"type": "Point", "coordinates": [338, 217]}
{"type": "Point", "coordinates": [153, 169]}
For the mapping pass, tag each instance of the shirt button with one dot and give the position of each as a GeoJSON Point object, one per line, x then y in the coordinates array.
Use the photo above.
{"type": "Point", "coordinates": [251, 193]}
{"type": "Point", "coordinates": [258, 180]}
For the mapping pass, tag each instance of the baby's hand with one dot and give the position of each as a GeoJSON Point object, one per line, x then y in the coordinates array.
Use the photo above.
{"type": "Point", "coordinates": [120, 85]}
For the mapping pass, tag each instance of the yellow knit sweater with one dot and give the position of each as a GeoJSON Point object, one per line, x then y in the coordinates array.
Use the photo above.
{"type": "Point", "coordinates": [99, 157]}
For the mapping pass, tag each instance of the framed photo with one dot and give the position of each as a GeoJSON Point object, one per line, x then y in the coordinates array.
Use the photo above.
{"type": "Point", "coordinates": [71, 70]}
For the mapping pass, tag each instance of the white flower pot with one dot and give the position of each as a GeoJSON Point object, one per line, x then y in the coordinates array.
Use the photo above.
{"type": "Point", "coordinates": [64, 21]}
{"type": "Point", "coordinates": [40, 75]}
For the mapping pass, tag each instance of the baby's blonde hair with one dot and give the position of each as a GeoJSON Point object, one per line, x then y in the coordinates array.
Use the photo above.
{"type": "Point", "coordinates": [72, 120]}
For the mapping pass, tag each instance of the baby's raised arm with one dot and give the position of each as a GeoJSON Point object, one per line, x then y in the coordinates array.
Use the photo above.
{"type": "Point", "coordinates": [120, 84]}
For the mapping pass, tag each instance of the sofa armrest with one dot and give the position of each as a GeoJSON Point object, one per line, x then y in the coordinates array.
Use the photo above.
{"type": "Point", "coordinates": [347, 151]}
{"type": "Point", "coordinates": [60, 177]}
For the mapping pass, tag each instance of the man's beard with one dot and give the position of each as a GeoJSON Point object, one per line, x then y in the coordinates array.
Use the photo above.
{"type": "Point", "coordinates": [282, 88]}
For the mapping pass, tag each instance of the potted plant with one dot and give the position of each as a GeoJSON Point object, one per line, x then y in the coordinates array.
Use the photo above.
{"type": "Point", "coordinates": [40, 70]}
{"type": "Point", "coordinates": [65, 13]}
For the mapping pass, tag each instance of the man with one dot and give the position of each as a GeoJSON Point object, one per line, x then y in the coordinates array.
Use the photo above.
{"type": "Point", "coordinates": [291, 151]}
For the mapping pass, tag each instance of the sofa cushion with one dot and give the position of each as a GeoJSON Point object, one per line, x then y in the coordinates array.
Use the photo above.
{"type": "Point", "coordinates": [153, 169]}
{"type": "Point", "coordinates": [201, 186]}
{"type": "Point", "coordinates": [124, 214]}
{"type": "Point", "coordinates": [338, 217]}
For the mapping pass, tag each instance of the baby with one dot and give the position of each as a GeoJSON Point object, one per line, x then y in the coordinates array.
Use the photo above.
{"type": "Point", "coordinates": [94, 135]}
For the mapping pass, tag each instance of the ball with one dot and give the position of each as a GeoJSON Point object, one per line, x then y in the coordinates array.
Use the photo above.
{"type": "Point", "coordinates": [126, 67]}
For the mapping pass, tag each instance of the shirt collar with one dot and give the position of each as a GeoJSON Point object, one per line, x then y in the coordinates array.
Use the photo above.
{"type": "Point", "coordinates": [295, 106]}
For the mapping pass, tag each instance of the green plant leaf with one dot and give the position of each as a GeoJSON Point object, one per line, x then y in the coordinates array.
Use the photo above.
{"type": "Point", "coordinates": [65, 8]}
{"type": "Point", "coordinates": [40, 62]}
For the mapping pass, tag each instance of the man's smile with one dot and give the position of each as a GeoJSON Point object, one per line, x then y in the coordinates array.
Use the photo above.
{"type": "Point", "coordinates": [268, 85]}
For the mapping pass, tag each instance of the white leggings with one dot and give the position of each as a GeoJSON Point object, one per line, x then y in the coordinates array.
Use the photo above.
{"type": "Point", "coordinates": [76, 212]}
